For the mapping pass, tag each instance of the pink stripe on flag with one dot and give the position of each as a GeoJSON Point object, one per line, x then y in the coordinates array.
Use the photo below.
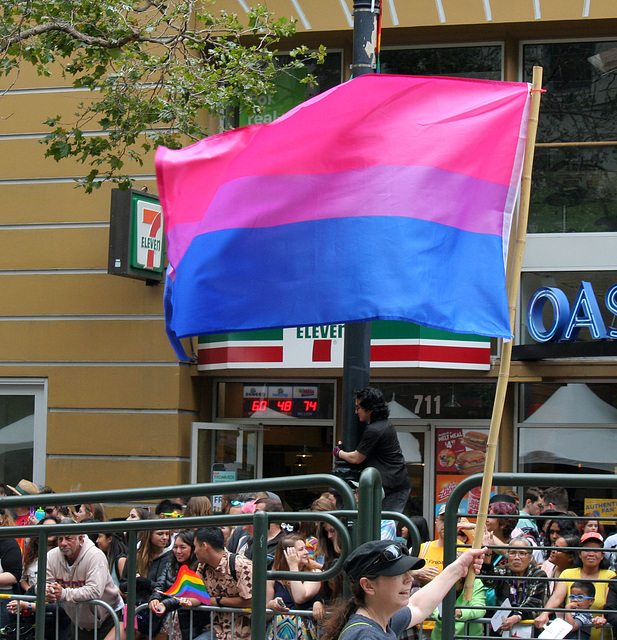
{"type": "Point", "coordinates": [459, 125]}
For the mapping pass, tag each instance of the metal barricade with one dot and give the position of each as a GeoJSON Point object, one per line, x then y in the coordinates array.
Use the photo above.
{"type": "Point", "coordinates": [353, 524]}
{"type": "Point", "coordinates": [515, 480]}
{"type": "Point", "coordinates": [363, 518]}
{"type": "Point", "coordinates": [23, 622]}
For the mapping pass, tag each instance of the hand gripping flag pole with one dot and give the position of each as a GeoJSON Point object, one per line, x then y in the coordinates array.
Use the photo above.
{"type": "Point", "coordinates": [506, 348]}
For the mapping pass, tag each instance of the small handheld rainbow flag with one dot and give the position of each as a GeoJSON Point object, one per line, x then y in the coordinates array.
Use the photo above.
{"type": "Point", "coordinates": [188, 585]}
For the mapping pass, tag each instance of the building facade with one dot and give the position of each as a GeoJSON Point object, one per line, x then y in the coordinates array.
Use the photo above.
{"type": "Point", "coordinates": [94, 397]}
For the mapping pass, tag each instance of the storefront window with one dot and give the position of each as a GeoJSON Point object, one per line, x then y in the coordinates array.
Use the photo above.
{"type": "Point", "coordinates": [562, 450]}
{"type": "Point", "coordinates": [570, 450]}
{"type": "Point", "coordinates": [569, 282]}
{"type": "Point", "coordinates": [568, 403]}
{"type": "Point", "coordinates": [289, 90]}
{"type": "Point", "coordinates": [22, 431]}
{"type": "Point", "coordinates": [16, 436]}
{"type": "Point", "coordinates": [482, 62]}
{"type": "Point", "coordinates": [439, 400]}
{"type": "Point", "coordinates": [569, 428]}
{"type": "Point", "coordinates": [259, 400]}
{"type": "Point", "coordinates": [574, 187]}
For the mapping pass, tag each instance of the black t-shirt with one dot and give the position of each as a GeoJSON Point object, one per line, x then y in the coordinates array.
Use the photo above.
{"type": "Point", "coordinates": [10, 560]}
{"type": "Point", "coordinates": [359, 627]}
{"type": "Point", "coordinates": [272, 544]}
{"type": "Point", "coordinates": [381, 447]}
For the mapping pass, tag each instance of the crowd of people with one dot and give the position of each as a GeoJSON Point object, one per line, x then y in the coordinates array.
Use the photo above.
{"type": "Point", "coordinates": [540, 562]}
{"type": "Point", "coordinates": [543, 558]}
{"type": "Point", "coordinates": [537, 557]}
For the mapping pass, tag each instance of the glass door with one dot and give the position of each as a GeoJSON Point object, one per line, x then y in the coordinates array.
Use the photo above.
{"type": "Point", "coordinates": [415, 444]}
{"type": "Point", "coordinates": [222, 452]}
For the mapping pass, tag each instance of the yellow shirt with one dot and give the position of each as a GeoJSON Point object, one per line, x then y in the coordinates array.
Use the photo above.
{"type": "Point", "coordinates": [433, 557]}
{"type": "Point", "coordinates": [573, 575]}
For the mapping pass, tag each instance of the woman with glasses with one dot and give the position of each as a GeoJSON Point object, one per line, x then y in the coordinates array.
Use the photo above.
{"type": "Point", "coordinates": [379, 448]}
{"type": "Point", "coordinates": [381, 582]}
{"type": "Point", "coordinates": [516, 581]}
{"type": "Point", "coordinates": [591, 566]}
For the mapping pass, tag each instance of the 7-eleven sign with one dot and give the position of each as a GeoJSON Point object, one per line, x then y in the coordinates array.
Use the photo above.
{"type": "Point", "coordinates": [148, 235]}
{"type": "Point", "coordinates": [136, 236]}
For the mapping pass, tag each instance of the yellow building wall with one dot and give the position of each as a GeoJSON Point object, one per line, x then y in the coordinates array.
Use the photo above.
{"type": "Point", "coordinates": [120, 406]}
{"type": "Point", "coordinates": [311, 16]}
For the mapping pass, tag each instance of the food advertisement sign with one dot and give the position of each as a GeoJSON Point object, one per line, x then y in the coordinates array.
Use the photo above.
{"type": "Point", "coordinates": [458, 453]}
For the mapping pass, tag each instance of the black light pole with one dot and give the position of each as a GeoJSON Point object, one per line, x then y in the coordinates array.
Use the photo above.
{"type": "Point", "coordinates": [357, 354]}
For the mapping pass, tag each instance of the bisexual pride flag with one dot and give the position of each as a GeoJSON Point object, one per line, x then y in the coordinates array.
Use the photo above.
{"type": "Point", "coordinates": [385, 198]}
{"type": "Point", "coordinates": [188, 585]}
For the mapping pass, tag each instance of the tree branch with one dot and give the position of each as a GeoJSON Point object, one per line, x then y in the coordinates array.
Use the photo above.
{"type": "Point", "coordinates": [69, 29]}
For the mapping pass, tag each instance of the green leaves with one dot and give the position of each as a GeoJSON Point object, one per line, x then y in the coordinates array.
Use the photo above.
{"type": "Point", "coordinates": [153, 69]}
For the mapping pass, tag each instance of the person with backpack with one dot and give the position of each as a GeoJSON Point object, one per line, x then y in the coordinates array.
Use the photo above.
{"type": "Point", "coordinates": [229, 580]}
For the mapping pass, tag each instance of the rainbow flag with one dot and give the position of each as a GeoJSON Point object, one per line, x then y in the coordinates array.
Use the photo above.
{"type": "Point", "coordinates": [384, 198]}
{"type": "Point", "coordinates": [188, 585]}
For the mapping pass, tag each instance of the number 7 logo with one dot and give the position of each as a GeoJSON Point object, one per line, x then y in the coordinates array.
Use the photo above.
{"type": "Point", "coordinates": [153, 218]}
{"type": "Point", "coordinates": [149, 235]}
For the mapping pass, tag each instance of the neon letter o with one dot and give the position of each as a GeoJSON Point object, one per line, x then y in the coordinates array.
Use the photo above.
{"type": "Point", "coordinates": [535, 308]}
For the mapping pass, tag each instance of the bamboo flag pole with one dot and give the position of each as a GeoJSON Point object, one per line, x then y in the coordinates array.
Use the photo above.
{"type": "Point", "coordinates": [506, 349]}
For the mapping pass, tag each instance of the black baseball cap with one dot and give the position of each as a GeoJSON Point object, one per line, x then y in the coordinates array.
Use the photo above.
{"type": "Point", "coordinates": [502, 497]}
{"type": "Point", "coordinates": [380, 558]}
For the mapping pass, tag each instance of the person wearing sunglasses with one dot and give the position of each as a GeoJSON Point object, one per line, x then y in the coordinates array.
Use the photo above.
{"type": "Point", "coordinates": [582, 595]}
{"type": "Point", "coordinates": [381, 582]}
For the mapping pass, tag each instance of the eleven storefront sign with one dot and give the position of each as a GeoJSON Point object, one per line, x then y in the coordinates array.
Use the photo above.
{"type": "Point", "coordinates": [393, 344]}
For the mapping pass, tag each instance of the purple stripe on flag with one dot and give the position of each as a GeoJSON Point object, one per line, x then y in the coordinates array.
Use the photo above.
{"type": "Point", "coordinates": [422, 193]}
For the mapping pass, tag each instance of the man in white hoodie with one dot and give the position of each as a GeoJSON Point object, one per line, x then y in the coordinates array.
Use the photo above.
{"type": "Point", "coordinates": [77, 571]}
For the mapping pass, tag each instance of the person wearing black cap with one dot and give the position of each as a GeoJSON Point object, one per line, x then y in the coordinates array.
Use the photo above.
{"type": "Point", "coordinates": [381, 581]}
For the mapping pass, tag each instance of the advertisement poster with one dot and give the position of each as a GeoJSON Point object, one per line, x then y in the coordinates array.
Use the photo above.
{"type": "Point", "coordinates": [601, 507]}
{"type": "Point", "coordinates": [458, 453]}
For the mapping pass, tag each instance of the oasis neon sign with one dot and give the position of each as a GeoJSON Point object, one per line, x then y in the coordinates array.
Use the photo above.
{"type": "Point", "coordinates": [567, 323]}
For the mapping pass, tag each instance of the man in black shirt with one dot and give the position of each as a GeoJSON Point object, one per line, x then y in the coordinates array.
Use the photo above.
{"type": "Point", "coordinates": [380, 448]}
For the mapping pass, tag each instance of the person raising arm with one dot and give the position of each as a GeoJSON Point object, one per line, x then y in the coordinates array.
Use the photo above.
{"type": "Point", "coordinates": [381, 580]}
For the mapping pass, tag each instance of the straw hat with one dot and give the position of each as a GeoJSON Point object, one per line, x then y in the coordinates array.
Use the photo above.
{"type": "Point", "coordinates": [24, 488]}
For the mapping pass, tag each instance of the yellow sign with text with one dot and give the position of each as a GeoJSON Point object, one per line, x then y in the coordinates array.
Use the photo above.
{"type": "Point", "coordinates": [601, 508]}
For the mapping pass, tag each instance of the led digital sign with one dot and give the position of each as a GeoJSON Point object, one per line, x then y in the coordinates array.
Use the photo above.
{"type": "Point", "coordinates": [273, 401]}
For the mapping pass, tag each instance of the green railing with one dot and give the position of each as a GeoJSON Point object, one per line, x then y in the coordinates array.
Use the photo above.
{"type": "Point", "coordinates": [354, 525]}
{"type": "Point", "coordinates": [500, 480]}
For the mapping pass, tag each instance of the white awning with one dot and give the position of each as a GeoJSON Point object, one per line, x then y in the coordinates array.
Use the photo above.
{"type": "Point", "coordinates": [574, 403]}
